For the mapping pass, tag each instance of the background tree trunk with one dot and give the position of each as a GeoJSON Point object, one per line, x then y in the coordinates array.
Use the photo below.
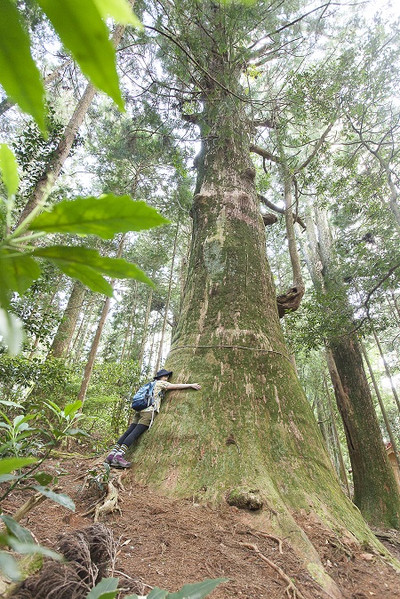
{"type": "Point", "coordinates": [375, 489]}
{"type": "Point", "coordinates": [66, 329]}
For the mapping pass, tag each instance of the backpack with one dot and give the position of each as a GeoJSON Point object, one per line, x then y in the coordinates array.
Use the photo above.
{"type": "Point", "coordinates": [144, 397]}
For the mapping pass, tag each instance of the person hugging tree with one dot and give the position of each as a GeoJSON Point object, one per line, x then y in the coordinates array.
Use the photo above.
{"type": "Point", "coordinates": [144, 418]}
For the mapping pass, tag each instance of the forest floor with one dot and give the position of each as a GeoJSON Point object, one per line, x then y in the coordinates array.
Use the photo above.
{"type": "Point", "coordinates": [167, 542]}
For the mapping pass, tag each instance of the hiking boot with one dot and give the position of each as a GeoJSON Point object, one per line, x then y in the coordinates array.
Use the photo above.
{"type": "Point", "coordinates": [109, 459]}
{"type": "Point", "coordinates": [119, 461]}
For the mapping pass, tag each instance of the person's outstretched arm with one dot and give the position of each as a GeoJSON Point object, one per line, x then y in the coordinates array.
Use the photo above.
{"type": "Point", "coordinates": [172, 386]}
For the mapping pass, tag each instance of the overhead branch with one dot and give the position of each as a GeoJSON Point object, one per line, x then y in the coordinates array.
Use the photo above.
{"type": "Point", "coordinates": [316, 148]}
{"type": "Point", "coordinates": [264, 153]}
{"type": "Point", "coordinates": [269, 123]}
{"type": "Point", "coordinates": [191, 118]}
{"type": "Point", "coordinates": [275, 208]}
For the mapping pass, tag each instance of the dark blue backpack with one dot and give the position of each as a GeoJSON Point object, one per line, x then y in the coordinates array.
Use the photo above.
{"type": "Point", "coordinates": [144, 397]}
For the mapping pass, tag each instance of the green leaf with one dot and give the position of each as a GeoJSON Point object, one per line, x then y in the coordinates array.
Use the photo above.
{"type": "Point", "coordinates": [120, 10]}
{"type": "Point", "coordinates": [43, 478]}
{"type": "Point", "coordinates": [197, 590]}
{"type": "Point", "coordinates": [60, 498]}
{"type": "Point", "coordinates": [78, 432]}
{"type": "Point", "coordinates": [67, 261]}
{"type": "Point", "coordinates": [157, 593]}
{"type": "Point", "coordinates": [83, 32]}
{"type": "Point", "coordinates": [9, 169]}
{"type": "Point", "coordinates": [17, 272]}
{"type": "Point", "coordinates": [19, 532]}
{"type": "Point", "coordinates": [19, 75]}
{"type": "Point", "coordinates": [9, 566]}
{"type": "Point", "coordinates": [103, 216]}
{"type": "Point", "coordinates": [74, 258]}
{"type": "Point", "coordinates": [8, 465]}
{"type": "Point", "coordinates": [31, 548]}
{"type": "Point", "coordinates": [107, 588]}
{"type": "Point", "coordinates": [11, 332]}
{"type": "Point", "coordinates": [13, 404]}
{"type": "Point", "coordinates": [72, 408]}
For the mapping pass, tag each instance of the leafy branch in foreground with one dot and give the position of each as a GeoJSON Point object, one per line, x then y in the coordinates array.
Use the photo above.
{"type": "Point", "coordinates": [19, 257]}
{"type": "Point", "coordinates": [107, 588]}
{"type": "Point", "coordinates": [81, 28]}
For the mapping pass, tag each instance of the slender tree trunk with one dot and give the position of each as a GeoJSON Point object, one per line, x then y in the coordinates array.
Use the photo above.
{"type": "Point", "coordinates": [387, 369]}
{"type": "Point", "coordinates": [61, 153]}
{"type": "Point", "coordinates": [342, 468]}
{"type": "Point", "coordinates": [67, 326]}
{"type": "Point", "coordinates": [381, 405]}
{"type": "Point", "coordinates": [96, 340]}
{"type": "Point", "coordinates": [145, 331]}
{"type": "Point", "coordinates": [164, 325]}
{"type": "Point", "coordinates": [81, 335]}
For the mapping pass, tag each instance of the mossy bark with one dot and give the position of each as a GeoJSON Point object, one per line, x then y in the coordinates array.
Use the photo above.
{"type": "Point", "coordinates": [250, 428]}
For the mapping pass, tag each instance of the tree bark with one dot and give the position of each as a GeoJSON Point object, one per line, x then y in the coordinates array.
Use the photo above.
{"type": "Point", "coordinates": [66, 329]}
{"type": "Point", "coordinates": [251, 426]}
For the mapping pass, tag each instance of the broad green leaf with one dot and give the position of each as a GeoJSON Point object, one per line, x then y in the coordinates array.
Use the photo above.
{"type": "Point", "coordinates": [197, 590]}
{"type": "Point", "coordinates": [103, 216]}
{"type": "Point", "coordinates": [75, 269]}
{"type": "Point", "coordinates": [9, 169]}
{"type": "Point", "coordinates": [43, 478]}
{"type": "Point", "coordinates": [120, 10]}
{"type": "Point", "coordinates": [157, 593]}
{"type": "Point", "coordinates": [13, 404]}
{"type": "Point", "coordinates": [11, 332]}
{"type": "Point", "coordinates": [60, 498]}
{"type": "Point", "coordinates": [8, 465]}
{"type": "Point", "coordinates": [107, 588]}
{"type": "Point", "coordinates": [77, 432]}
{"type": "Point", "coordinates": [83, 32]}
{"type": "Point", "coordinates": [9, 566]}
{"type": "Point", "coordinates": [19, 532]}
{"type": "Point", "coordinates": [30, 548]}
{"type": "Point", "coordinates": [17, 272]}
{"type": "Point", "coordinates": [134, 596]}
{"type": "Point", "coordinates": [90, 259]}
{"type": "Point", "coordinates": [71, 408]}
{"type": "Point", "coordinates": [19, 75]}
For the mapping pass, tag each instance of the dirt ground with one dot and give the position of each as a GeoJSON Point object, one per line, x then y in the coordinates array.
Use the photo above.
{"type": "Point", "coordinates": [167, 543]}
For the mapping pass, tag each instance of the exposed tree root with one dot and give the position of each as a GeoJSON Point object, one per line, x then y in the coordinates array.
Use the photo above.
{"type": "Point", "coordinates": [91, 553]}
{"type": "Point", "coordinates": [268, 536]}
{"type": "Point", "coordinates": [110, 503]}
{"type": "Point", "coordinates": [291, 590]}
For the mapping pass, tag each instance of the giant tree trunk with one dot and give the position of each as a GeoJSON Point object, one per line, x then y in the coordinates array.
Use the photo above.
{"type": "Point", "coordinates": [250, 428]}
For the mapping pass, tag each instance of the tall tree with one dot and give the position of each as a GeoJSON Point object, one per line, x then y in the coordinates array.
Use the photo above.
{"type": "Point", "coordinates": [251, 426]}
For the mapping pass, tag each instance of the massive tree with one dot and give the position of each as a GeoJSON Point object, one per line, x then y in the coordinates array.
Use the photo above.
{"type": "Point", "coordinates": [249, 436]}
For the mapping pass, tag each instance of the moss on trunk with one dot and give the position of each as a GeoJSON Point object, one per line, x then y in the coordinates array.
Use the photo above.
{"type": "Point", "coordinates": [250, 428]}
